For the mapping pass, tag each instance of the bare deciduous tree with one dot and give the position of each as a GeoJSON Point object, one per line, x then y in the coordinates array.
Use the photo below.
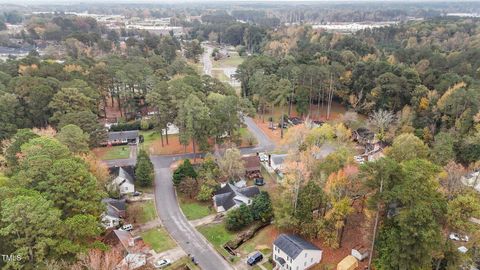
{"type": "Point", "coordinates": [231, 164]}
{"type": "Point", "coordinates": [380, 121]}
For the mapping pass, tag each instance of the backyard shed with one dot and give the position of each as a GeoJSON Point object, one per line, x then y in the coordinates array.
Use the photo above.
{"type": "Point", "coordinates": [348, 263]}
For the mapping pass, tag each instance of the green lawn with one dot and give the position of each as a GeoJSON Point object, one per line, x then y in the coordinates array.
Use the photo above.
{"type": "Point", "coordinates": [149, 137]}
{"type": "Point", "coordinates": [246, 135]}
{"type": "Point", "coordinates": [117, 152]}
{"type": "Point", "coordinates": [233, 61]}
{"type": "Point", "coordinates": [148, 212]}
{"type": "Point", "coordinates": [158, 239]}
{"type": "Point", "coordinates": [220, 75]}
{"type": "Point", "coordinates": [182, 263]}
{"type": "Point", "coordinates": [218, 236]}
{"type": "Point", "coordinates": [195, 210]}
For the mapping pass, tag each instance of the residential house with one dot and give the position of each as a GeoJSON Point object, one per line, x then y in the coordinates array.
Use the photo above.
{"type": "Point", "coordinates": [123, 180]}
{"type": "Point", "coordinates": [230, 196]}
{"type": "Point", "coordinates": [252, 165]}
{"type": "Point", "coordinates": [472, 180]}
{"type": "Point", "coordinates": [122, 137]}
{"type": "Point", "coordinates": [276, 162]}
{"type": "Point", "coordinates": [115, 212]}
{"type": "Point", "coordinates": [291, 252]}
{"type": "Point", "coordinates": [132, 249]}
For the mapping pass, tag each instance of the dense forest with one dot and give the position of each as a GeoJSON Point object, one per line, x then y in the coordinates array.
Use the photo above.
{"type": "Point", "coordinates": [426, 72]}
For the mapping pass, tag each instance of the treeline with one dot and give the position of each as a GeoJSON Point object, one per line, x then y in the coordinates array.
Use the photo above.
{"type": "Point", "coordinates": [393, 69]}
{"type": "Point", "coordinates": [223, 28]}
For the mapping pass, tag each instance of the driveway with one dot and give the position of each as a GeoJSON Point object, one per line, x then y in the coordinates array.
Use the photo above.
{"type": "Point", "coordinates": [187, 237]}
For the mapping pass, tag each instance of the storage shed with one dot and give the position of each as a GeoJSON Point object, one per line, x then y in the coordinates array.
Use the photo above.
{"type": "Point", "coordinates": [348, 263]}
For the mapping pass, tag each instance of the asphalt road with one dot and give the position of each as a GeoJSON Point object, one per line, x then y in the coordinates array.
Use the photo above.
{"type": "Point", "coordinates": [175, 222]}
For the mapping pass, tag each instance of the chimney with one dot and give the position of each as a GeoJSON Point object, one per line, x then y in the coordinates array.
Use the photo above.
{"type": "Point", "coordinates": [270, 160]}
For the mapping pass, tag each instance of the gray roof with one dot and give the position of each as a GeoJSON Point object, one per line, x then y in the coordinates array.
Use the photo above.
{"type": "Point", "coordinates": [123, 174]}
{"type": "Point", "coordinates": [226, 194]}
{"type": "Point", "coordinates": [279, 159]}
{"type": "Point", "coordinates": [114, 207]}
{"type": "Point", "coordinates": [293, 245]}
{"type": "Point", "coordinates": [123, 135]}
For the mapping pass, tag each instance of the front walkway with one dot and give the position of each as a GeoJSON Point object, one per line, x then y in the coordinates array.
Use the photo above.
{"type": "Point", "coordinates": [213, 218]}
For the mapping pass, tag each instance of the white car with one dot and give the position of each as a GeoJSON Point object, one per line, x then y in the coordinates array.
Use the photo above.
{"type": "Point", "coordinates": [161, 263]}
{"type": "Point", "coordinates": [263, 157]}
{"type": "Point", "coordinates": [458, 237]}
{"type": "Point", "coordinates": [127, 227]}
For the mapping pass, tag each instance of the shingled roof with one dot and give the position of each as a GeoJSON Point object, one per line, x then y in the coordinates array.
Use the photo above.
{"type": "Point", "coordinates": [225, 196]}
{"type": "Point", "coordinates": [293, 245]}
{"type": "Point", "coordinates": [123, 135]}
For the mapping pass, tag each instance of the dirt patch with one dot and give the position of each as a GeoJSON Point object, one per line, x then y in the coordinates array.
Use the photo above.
{"type": "Point", "coordinates": [357, 232]}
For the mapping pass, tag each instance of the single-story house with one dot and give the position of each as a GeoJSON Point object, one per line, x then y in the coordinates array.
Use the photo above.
{"type": "Point", "coordinates": [348, 263]}
{"type": "Point", "coordinates": [125, 242]}
{"type": "Point", "coordinates": [472, 180]}
{"type": "Point", "coordinates": [114, 213]}
{"type": "Point", "coordinates": [251, 164]}
{"type": "Point", "coordinates": [122, 137]}
{"type": "Point", "coordinates": [230, 196]}
{"type": "Point", "coordinates": [291, 252]}
{"type": "Point", "coordinates": [123, 180]}
{"type": "Point", "coordinates": [360, 252]}
{"type": "Point", "coordinates": [276, 161]}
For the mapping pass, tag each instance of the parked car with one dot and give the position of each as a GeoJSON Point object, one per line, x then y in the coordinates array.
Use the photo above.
{"type": "Point", "coordinates": [263, 157]}
{"type": "Point", "coordinates": [255, 258]}
{"type": "Point", "coordinates": [161, 263]}
{"type": "Point", "coordinates": [259, 181]}
{"type": "Point", "coordinates": [127, 227]}
{"type": "Point", "coordinates": [137, 193]}
{"type": "Point", "coordinates": [458, 237]}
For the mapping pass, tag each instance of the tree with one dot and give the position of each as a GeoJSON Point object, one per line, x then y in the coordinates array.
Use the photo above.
{"type": "Point", "coordinates": [193, 121]}
{"type": "Point", "coordinates": [406, 147]}
{"type": "Point", "coordinates": [22, 136]}
{"type": "Point", "coordinates": [87, 121]}
{"type": "Point", "coordinates": [9, 115]}
{"type": "Point", "coordinates": [380, 121]}
{"type": "Point", "coordinates": [72, 188]}
{"type": "Point", "coordinates": [73, 137]}
{"type": "Point", "coordinates": [189, 187]}
{"type": "Point", "coordinates": [144, 169]}
{"type": "Point", "coordinates": [231, 164]}
{"type": "Point", "coordinates": [238, 218]}
{"type": "Point", "coordinates": [205, 193]}
{"type": "Point", "coordinates": [461, 209]}
{"type": "Point", "coordinates": [33, 223]}
{"type": "Point", "coordinates": [443, 148]}
{"type": "Point", "coordinates": [409, 238]}
{"type": "Point", "coordinates": [261, 207]}
{"type": "Point", "coordinates": [193, 49]}
{"type": "Point", "coordinates": [183, 171]}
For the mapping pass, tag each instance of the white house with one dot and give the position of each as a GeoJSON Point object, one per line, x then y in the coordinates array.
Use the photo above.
{"type": "Point", "coordinates": [114, 213]}
{"type": "Point", "coordinates": [124, 182]}
{"type": "Point", "coordinates": [291, 252]}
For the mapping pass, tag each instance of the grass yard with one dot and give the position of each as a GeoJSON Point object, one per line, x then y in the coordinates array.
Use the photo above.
{"type": "Point", "coordinates": [233, 61]}
{"type": "Point", "coordinates": [247, 138]}
{"type": "Point", "coordinates": [220, 75]}
{"type": "Point", "coordinates": [112, 152]}
{"type": "Point", "coordinates": [217, 235]}
{"type": "Point", "coordinates": [182, 263]}
{"type": "Point", "coordinates": [148, 212]}
{"type": "Point", "coordinates": [149, 137]}
{"type": "Point", "coordinates": [262, 241]}
{"type": "Point", "coordinates": [158, 239]}
{"type": "Point", "coordinates": [194, 210]}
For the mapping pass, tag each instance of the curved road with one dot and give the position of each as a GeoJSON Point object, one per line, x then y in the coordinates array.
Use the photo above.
{"type": "Point", "coordinates": [171, 215]}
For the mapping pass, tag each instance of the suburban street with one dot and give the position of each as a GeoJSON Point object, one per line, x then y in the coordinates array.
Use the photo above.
{"type": "Point", "coordinates": [171, 215]}
{"type": "Point", "coordinates": [175, 222]}
{"type": "Point", "coordinates": [168, 209]}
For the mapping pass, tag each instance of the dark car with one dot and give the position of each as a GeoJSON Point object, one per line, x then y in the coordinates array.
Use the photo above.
{"type": "Point", "coordinates": [259, 181]}
{"type": "Point", "coordinates": [255, 258]}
